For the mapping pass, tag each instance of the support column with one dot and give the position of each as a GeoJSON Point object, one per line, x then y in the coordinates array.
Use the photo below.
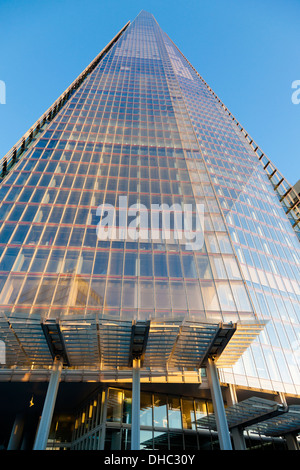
{"type": "Point", "coordinates": [221, 421]}
{"type": "Point", "coordinates": [238, 438]}
{"type": "Point", "coordinates": [16, 433]}
{"type": "Point", "coordinates": [135, 409]}
{"type": "Point", "coordinates": [237, 432]}
{"type": "Point", "coordinates": [290, 438]}
{"type": "Point", "coordinates": [46, 418]}
{"type": "Point", "coordinates": [291, 441]}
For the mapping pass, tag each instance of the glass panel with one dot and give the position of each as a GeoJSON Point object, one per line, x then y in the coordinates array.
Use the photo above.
{"type": "Point", "coordinates": [97, 290]}
{"type": "Point", "coordinates": [39, 261]}
{"type": "Point", "coordinates": [55, 261]}
{"type": "Point", "coordinates": [62, 292]}
{"type": "Point", "coordinates": [218, 267]}
{"type": "Point", "coordinates": [189, 266]}
{"type": "Point", "coordinates": [130, 264]}
{"type": "Point", "coordinates": [126, 439]}
{"type": "Point", "coordinates": [225, 296]}
{"type": "Point", "coordinates": [6, 232]}
{"type": "Point", "coordinates": [76, 236]}
{"type": "Point", "coordinates": [130, 294]}
{"type": "Point", "coordinates": [116, 263]}
{"type": "Point", "coordinates": [34, 235]}
{"type": "Point", "coordinates": [127, 406]}
{"type": "Point", "coordinates": [46, 291]}
{"type": "Point", "coordinates": [178, 295]}
{"type": "Point", "coordinates": [90, 239]}
{"type": "Point", "coordinates": [232, 268]}
{"type": "Point", "coordinates": [241, 297]}
{"type": "Point", "coordinates": [209, 296]}
{"type": "Point", "coordinates": [160, 441]}
{"type": "Point", "coordinates": [174, 413]}
{"type": "Point", "coordinates": [146, 294]}
{"type": "Point", "coordinates": [70, 262]}
{"type": "Point", "coordinates": [86, 262]}
{"type": "Point", "coordinates": [194, 296]}
{"type": "Point", "coordinates": [113, 293]}
{"type": "Point", "coordinates": [176, 441]}
{"type": "Point", "coordinates": [101, 262]}
{"type": "Point", "coordinates": [224, 243]}
{"type": "Point", "coordinates": [8, 259]}
{"type": "Point", "coordinates": [162, 297]}
{"type": "Point", "coordinates": [190, 442]}
{"type": "Point", "coordinates": [114, 406]}
{"type": "Point", "coordinates": [20, 234]}
{"type": "Point", "coordinates": [29, 290]}
{"type": "Point", "coordinates": [160, 265]}
{"type": "Point", "coordinates": [146, 441]}
{"type": "Point", "coordinates": [16, 213]}
{"type": "Point", "coordinates": [62, 236]}
{"type": "Point", "coordinates": [42, 214]}
{"type": "Point", "coordinates": [112, 439]}
{"type": "Point", "coordinates": [48, 236]}
{"type": "Point", "coordinates": [204, 267]}
{"type": "Point", "coordinates": [188, 415]}
{"type": "Point", "coordinates": [175, 266]}
{"type": "Point", "coordinates": [146, 264]}
{"type": "Point", "coordinates": [200, 409]}
{"type": "Point", "coordinates": [11, 290]}
{"type": "Point", "coordinates": [146, 409]}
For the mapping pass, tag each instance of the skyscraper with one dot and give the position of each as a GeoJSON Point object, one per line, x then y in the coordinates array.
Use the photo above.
{"type": "Point", "coordinates": [197, 265]}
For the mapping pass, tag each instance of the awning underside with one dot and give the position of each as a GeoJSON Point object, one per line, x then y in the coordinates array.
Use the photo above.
{"type": "Point", "coordinates": [108, 343]}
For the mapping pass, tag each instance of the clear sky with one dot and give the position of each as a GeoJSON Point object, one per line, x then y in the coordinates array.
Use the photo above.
{"type": "Point", "coordinates": [247, 50]}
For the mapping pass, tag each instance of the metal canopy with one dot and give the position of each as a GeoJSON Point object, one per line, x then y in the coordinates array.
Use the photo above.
{"type": "Point", "coordinates": [285, 423]}
{"type": "Point", "coordinates": [55, 341]}
{"type": "Point", "coordinates": [258, 415]}
{"type": "Point", "coordinates": [107, 343]}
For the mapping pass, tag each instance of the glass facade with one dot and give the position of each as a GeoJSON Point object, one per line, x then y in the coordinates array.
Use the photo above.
{"type": "Point", "coordinates": [144, 125]}
{"type": "Point", "coordinates": [168, 422]}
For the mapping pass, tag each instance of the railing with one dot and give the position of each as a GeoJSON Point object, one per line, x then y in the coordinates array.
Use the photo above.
{"type": "Point", "coordinates": [14, 155]}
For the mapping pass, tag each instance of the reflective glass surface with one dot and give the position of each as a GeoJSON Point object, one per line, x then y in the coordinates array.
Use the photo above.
{"type": "Point", "coordinates": [144, 125]}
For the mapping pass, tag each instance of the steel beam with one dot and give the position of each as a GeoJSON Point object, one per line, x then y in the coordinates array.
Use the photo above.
{"type": "Point", "coordinates": [48, 409]}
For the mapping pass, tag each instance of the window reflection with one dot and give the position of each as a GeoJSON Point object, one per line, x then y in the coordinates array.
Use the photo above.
{"type": "Point", "coordinates": [174, 413]}
{"type": "Point", "coordinates": [160, 411]}
{"type": "Point", "coordinates": [146, 409]}
{"type": "Point", "coordinates": [188, 415]}
{"type": "Point", "coordinates": [114, 405]}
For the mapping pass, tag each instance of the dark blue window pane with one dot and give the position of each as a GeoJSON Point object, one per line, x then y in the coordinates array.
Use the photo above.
{"type": "Point", "coordinates": [175, 266]}
{"type": "Point", "coordinates": [160, 265]}
{"type": "Point", "coordinates": [101, 261]}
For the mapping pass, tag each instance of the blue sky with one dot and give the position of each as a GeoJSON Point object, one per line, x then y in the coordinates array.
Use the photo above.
{"type": "Point", "coordinates": [247, 50]}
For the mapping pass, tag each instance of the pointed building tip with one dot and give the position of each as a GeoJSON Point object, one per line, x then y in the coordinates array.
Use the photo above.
{"type": "Point", "coordinates": [144, 11]}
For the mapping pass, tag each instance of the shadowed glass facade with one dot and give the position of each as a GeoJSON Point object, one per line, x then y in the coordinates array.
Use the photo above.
{"type": "Point", "coordinates": [144, 125]}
